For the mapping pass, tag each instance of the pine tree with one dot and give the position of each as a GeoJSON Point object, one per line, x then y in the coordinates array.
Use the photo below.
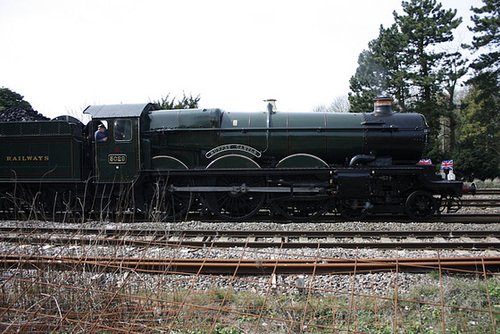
{"type": "Point", "coordinates": [11, 99]}
{"type": "Point", "coordinates": [478, 149]}
{"type": "Point", "coordinates": [478, 139]}
{"type": "Point", "coordinates": [186, 102]}
{"type": "Point", "coordinates": [486, 39]}
{"type": "Point", "coordinates": [425, 25]}
{"type": "Point", "coordinates": [379, 72]}
{"type": "Point", "coordinates": [404, 62]}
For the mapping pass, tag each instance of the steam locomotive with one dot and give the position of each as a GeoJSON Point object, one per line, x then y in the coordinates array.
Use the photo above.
{"type": "Point", "coordinates": [166, 163]}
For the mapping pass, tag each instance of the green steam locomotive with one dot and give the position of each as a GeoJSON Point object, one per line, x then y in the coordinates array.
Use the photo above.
{"type": "Point", "coordinates": [166, 164]}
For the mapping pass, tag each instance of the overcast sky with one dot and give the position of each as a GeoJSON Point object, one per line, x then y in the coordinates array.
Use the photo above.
{"type": "Point", "coordinates": [63, 55]}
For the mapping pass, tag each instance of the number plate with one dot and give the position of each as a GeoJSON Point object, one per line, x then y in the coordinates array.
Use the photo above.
{"type": "Point", "coordinates": [117, 159]}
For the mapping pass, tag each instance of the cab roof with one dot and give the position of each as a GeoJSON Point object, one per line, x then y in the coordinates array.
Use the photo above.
{"type": "Point", "coordinates": [119, 110]}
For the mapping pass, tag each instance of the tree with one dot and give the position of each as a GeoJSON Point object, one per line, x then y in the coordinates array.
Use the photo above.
{"type": "Point", "coordinates": [487, 39]}
{"type": "Point", "coordinates": [404, 62]}
{"type": "Point", "coordinates": [11, 99]}
{"type": "Point", "coordinates": [478, 139]}
{"type": "Point", "coordinates": [379, 72]}
{"type": "Point", "coordinates": [366, 83]}
{"type": "Point", "coordinates": [185, 103]}
{"type": "Point", "coordinates": [340, 105]}
{"type": "Point", "coordinates": [471, 163]}
{"type": "Point", "coordinates": [426, 25]}
{"type": "Point", "coordinates": [478, 149]}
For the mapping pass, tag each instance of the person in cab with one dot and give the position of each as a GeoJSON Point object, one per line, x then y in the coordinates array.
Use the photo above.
{"type": "Point", "coordinates": [101, 135]}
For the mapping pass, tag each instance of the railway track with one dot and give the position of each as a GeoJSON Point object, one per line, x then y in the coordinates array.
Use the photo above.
{"type": "Point", "coordinates": [478, 202]}
{"type": "Point", "coordinates": [254, 238]}
{"type": "Point", "coordinates": [492, 199]}
{"type": "Point", "coordinates": [488, 191]}
{"type": "Point", "coordinates": [248, 266]}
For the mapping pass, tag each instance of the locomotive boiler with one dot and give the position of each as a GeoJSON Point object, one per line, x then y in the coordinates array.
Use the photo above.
{"type": "Point", "coordinates": [166, 163]}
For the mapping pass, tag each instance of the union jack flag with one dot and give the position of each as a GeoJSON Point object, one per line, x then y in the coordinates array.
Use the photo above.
{"type": "Point", "coordinates": [447, 164]}
{"type": "Point", "coordinates": [425, 162]}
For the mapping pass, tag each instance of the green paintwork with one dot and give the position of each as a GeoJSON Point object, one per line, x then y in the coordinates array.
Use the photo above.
{"type": "Point", "coordinates": [189, 134]}
{"type": "Point", "coordinates": [233, 161]}
{"type": "Point", "coordinates": [301, 160]}
{"type": "Point", "coordinates": [185, 118]}
{"type": "Point", "coordinates": [166, 162]}
{"type": "Point", "coordinates": [198, 139]}
{"type": "Point", "coordinates": [44, 151]}
{"type": "Point", "coordinates": [118, 160]}
{"type": "Point", "coordinates": [241, 129]}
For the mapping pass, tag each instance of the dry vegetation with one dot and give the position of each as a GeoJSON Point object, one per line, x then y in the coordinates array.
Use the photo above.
{"type": "Point", "coordinates": [113, 300]}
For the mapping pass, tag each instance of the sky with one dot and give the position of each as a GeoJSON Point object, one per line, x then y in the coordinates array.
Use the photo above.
{"type": "Point", "coordinates": [63, 55]}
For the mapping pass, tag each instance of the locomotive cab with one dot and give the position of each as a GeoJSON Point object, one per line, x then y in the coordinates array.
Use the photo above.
{"type": "Point", "coordinates": [118, 158]}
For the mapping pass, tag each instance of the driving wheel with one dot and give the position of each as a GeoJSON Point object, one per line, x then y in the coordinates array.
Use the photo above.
{"type": "Point", "coordinates": [163, 203]}
{"type": "Point", "coordinates": [353, 209]}
{"type": "Point", "coordinates": [420, 205]}
{"type": "Point", "coordinates": [237, 203]}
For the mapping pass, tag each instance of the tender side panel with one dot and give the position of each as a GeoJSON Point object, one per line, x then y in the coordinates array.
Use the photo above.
{"type": "Point", "coordinates": [40, 151]}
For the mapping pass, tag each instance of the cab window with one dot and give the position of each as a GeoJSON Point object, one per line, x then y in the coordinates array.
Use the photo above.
{"type": "Point", "coordinates": [123, 129]}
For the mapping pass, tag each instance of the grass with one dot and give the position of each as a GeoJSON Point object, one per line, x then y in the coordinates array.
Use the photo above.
{"type": "Point", "coordinates": [488, 183]}
{"type": "Point", "coordinates": [68, 302]}
{"type": "Point", "coordinates": [76, 302]}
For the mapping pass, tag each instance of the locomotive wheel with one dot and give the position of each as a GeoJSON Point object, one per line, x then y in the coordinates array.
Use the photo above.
{"type": "Point", "coordinates": [352, 209]}
{"type": "Point", "coordinates": [420, 205]}
{"type": "Point", "coordinates": [238, 204]}
{"type": "Point", "coordinates": [300, 209]}
{"type": "Point", "coordinates": [164, 204]}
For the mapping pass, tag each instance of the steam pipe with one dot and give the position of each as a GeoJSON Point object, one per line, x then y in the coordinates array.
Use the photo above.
{"type": "Point", "coordinates": [361, 158]}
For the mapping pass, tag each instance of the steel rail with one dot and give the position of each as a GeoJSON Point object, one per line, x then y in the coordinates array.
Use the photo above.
{"type": "Point", "coordinates": [159, 232]}
{"type": "Point", "coordinates": [248, 266]}
{"type": "Point", "coordinates": [480, 202]}
{"type": "Point", "coordinates": [256, 239]}
{"type": "Point", "coordinates": [488, 191]}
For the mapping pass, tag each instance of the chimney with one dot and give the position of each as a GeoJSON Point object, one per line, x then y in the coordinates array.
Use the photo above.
{"type": "Point", "coordinates": [271, 105]}
{"type": "Point", "coordinates": [382, 106]}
